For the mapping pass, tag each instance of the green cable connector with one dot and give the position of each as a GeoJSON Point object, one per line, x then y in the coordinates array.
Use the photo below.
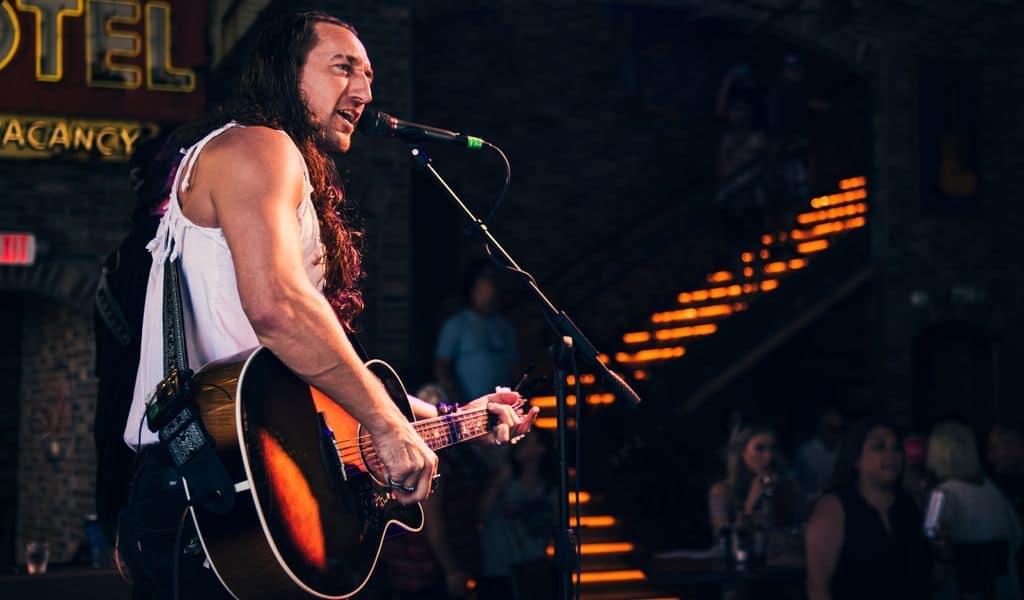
{"type": "Point", "coordinates": [474, 143]}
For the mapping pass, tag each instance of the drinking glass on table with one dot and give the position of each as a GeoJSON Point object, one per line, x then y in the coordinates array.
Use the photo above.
{"type": "Point", "coordinates": [37, 556]}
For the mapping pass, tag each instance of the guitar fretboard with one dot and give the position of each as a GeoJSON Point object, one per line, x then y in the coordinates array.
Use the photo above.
{"type": "Point", "coordinates": [448, 430]}
{"type": "Point", "coordinates": [438, 433]}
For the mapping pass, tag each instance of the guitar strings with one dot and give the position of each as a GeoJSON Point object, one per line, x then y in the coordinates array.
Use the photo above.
{"type": "Point", "coordinates": [430, 425]}
{"type": "Point", "coordinates": [439, 426]}
{"type": "Point", "coordinates": [434, 424]}
{"type": "Point", "coordinates": [373, 462]}
{"type": "Point", "coordinates": [349, 452]}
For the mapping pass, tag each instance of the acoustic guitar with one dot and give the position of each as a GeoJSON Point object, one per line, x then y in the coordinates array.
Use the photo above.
{"type": "Point", "coordinates": [312, 509]}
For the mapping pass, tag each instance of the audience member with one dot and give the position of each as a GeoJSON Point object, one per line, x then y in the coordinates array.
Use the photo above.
{"type": "Point", "coordinates": [974, 512]}
{"type": "Point", "coordinates": [738, 105]}
{"type": "Point", "coordinates": [477, 347]}
{"type": "Point", "coordinates": [864, 538]}
{"type": "Point", "coordinates": [789, 106]}
{"type": "Point", "coordinates": [739, 174]}
{"type": "Point", "coordinates": [739, 84]}
{"type": "Point", "coordinates": [816, 457]}
{"type": "Point", "coordinates": [740, 147]}
{"type": "Point", "coordinates": [519, 509]}
{"type": "Point", "coordinates": [1006, 455]}
{"type": "Point", "coordinates": [754, 471]}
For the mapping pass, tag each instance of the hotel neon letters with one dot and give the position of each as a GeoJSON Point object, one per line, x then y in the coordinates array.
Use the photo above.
{"type": "Point", "coordinates": [42, 137]}
{"type": "Point", "coordinates": [106, 41]}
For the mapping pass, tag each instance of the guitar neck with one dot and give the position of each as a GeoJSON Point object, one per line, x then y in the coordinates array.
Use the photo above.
{"type": "Point", "coordinates": [438, 433]}
{"type": "Point", "coordinates": [448, 430]}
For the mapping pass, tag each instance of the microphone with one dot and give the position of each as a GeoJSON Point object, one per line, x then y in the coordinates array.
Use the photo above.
{"type": "Point", "coordinates": [379, 124]}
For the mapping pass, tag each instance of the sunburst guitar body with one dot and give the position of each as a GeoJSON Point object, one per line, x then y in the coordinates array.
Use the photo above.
{"type": "Point", "coordinates": [311, 509]}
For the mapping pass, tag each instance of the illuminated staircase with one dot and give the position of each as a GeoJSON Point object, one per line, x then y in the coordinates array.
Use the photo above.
{"type": "Point", "coordinates": [608, 560]}
{"type": "Point", "coordinates": [830, 232]}
{"type": "Point", "coordinates": [675, 340]}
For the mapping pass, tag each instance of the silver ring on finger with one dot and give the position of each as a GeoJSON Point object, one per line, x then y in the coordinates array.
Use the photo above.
{"type": "Point", "coordinates": [397, 485]}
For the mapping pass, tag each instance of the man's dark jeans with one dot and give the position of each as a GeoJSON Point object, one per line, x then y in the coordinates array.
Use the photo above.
{"type": "Point", "coordinates": [146, 537]}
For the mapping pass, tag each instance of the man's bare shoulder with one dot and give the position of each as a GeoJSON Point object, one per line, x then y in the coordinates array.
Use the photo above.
{"type": "Point", "coordinates": [252, 153]}
{"type": "Point", "coordinates": [245, 143]}
{"type": "Point", "coordinates": [244, 165]}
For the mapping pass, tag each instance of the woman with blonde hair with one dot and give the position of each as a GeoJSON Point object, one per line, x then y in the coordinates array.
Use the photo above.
{"type": "Point", "coordinates": [974, 512]}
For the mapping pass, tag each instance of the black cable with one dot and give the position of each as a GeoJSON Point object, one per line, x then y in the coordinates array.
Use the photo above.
{"type": "Point", "coordinates": [177, 554]}
{"type": "Point", "coordinates": [137, 462]}
{"type": "Point", "coordinates": [504, 188]}
{"type": "Point", "coordinates": [497, 204]}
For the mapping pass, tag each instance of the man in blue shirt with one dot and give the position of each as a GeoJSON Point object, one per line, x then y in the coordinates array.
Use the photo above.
{"type": "Point", "coordinates": [477, 349]}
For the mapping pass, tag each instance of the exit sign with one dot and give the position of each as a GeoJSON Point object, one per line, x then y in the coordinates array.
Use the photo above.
{"type": "Point", "coordinates": [17, 249]}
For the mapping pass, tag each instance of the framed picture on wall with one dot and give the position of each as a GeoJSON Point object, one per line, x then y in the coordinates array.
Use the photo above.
{"type": "Point", "coordinates": [949, 93]}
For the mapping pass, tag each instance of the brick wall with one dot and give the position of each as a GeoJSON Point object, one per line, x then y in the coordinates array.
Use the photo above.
{"type": "Point", "coordinates": [56, 455]}
{"type": "Point", "coordinates": [958, 266]}
{"type": "Point", "coordinates": [78, 212]}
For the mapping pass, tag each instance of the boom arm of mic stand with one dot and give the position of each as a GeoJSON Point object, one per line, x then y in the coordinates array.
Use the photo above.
{"type": "Point", "coordinates": [557, 319]}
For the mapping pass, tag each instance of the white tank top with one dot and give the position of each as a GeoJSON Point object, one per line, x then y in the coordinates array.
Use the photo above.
{"type": "Point", "coordinates": [215, 324]}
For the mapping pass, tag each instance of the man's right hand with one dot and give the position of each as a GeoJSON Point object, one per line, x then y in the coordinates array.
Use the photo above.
{"type": "Point", "coordinates": [407, 460]}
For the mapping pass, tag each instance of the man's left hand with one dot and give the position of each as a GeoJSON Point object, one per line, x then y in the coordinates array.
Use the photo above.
{"type": "Point", "coordinates": [512, 424]}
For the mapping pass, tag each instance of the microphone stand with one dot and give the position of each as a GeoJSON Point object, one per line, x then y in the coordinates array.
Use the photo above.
{"type": "Point", "coordinates": [572, 343]}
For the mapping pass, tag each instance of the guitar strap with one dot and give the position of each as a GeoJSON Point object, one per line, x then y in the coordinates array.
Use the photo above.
{"type": "Point", "coordinates": [357, 345]}
{"type": "Point", "coordinates": [175, 345]}
{"type": "Point", "coordinates": [176, 417]}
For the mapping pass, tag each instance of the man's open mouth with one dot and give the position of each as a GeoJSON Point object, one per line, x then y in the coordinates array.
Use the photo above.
{"type": "Point", "coordinates": [349, 115]}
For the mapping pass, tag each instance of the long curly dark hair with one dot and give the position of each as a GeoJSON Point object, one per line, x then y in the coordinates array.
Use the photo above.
{"type": "Point", "coordinates": [268, 95]}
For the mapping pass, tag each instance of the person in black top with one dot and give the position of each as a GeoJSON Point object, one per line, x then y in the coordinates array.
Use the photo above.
{"type": "Point", "coordinates": [864, 538]}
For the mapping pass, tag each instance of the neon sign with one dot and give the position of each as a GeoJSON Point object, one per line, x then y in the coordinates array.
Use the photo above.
{"type": "Point", "coordinates": [111, 40]}
{"type": "Point", "coordinates": [42, 137]}
{"type": "Point", "coordinates": [17, 249]}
